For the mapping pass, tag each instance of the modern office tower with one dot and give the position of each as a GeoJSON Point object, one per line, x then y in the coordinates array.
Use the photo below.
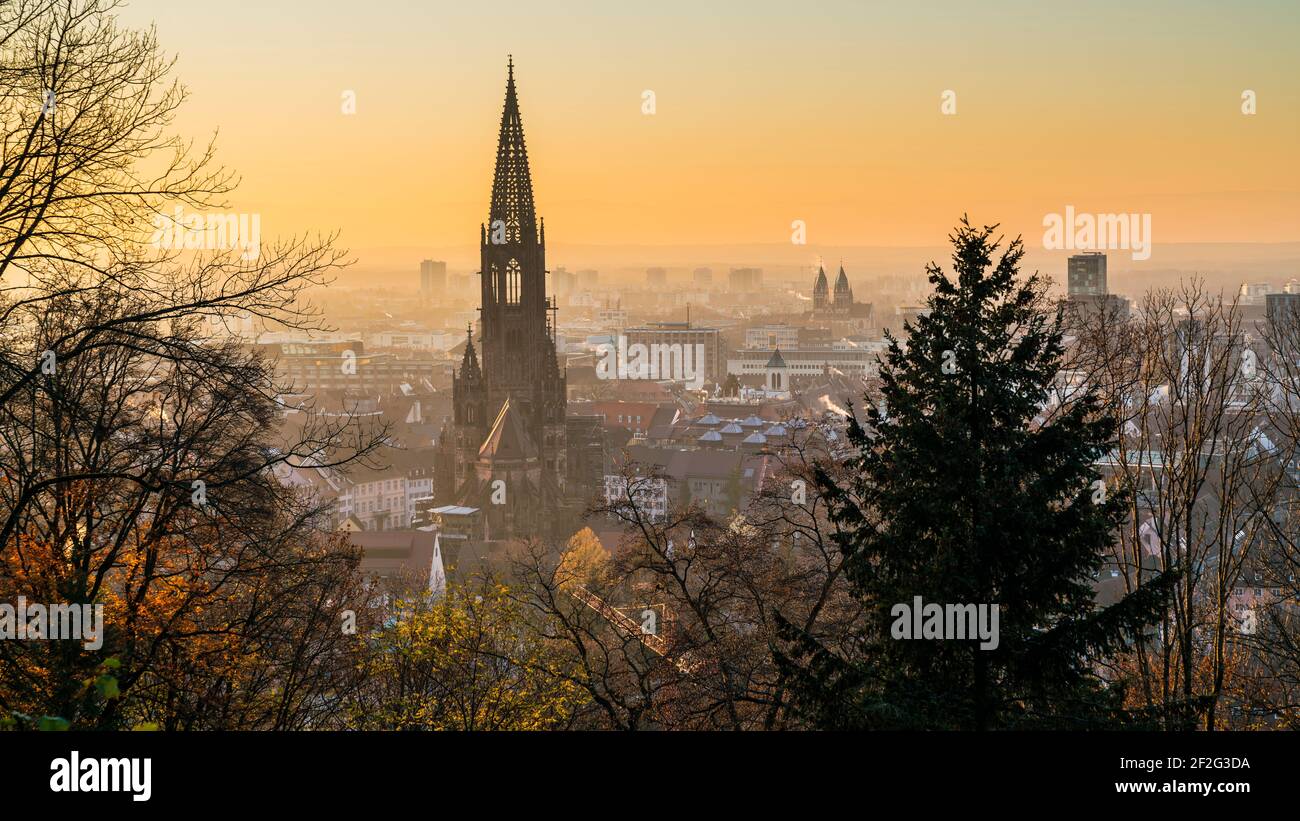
{"type": "Point", "coordinates": [745, 280]}
{"type": "Point", "coordinates": [1087, 274]}
{"type": "Point", "coordinates": [656, 277]}
{"type": "Point", "coordinates": [564, 281]}
{"type": "Point", "coordinates": [433, 277]}
{"type": "Point", "coordinates": [1282, 308]}
{"type": "Point", "coordinates": [703, 276]}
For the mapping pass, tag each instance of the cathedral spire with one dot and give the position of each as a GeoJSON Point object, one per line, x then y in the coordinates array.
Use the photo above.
{"type": "Point", "coordinates": [843, 293]}
{"type": "Point", "coordinates": [512, 185]}
{"type": "Point", "coordinates": [821, 290]}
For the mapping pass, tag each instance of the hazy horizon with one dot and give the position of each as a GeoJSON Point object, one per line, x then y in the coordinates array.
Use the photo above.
{"type": "Point", "coordinates": [1223, 265]}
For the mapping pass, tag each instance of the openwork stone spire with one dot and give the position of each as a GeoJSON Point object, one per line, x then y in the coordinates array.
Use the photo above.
{"type": "Point", "coordinates": [512, 185]}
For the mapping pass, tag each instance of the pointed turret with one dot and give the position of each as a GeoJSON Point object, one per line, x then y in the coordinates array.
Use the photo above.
{"type": "Point", "coordinates": [843, 293]}
{"type": "Point", "coordinates": [469, 368]}
{"type": "Point", "coordinates": [821, 291]}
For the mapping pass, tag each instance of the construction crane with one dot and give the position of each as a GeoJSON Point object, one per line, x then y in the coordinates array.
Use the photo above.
{"type": "Point", "coordinates": [630, 626]}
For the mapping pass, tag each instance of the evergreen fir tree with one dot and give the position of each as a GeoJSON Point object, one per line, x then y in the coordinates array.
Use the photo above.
{"type": "Point", "coordinates": [966, 492]}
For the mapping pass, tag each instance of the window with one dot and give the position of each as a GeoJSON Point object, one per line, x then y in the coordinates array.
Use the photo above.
{"type": "Point", "coordinates": [512, 282]}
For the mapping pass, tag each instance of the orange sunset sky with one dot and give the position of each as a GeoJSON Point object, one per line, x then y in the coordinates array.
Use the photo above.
{"type": "Point", "coordinates": [765, 113]}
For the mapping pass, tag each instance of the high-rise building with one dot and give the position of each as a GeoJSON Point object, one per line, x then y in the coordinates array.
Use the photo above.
{"type": "Point", "coordinates": [564, 280]}
{"type": "Point", "coordinates": [504, 451]}
{"type": "Point", "coordinates": [1087, 274]}
{"type": "Point", "coordinates": [433, 277]}
{"type": "Point", "coordinates": [703, 276]}
{"type": "Point", "coordinates": [656, 277]}
{"type": "Point", "coordinates": [1088, 292]}
{"type": "Point", "coordinates": [1282, 309]}
{"type": "Point", "coordinates": [745, 280]}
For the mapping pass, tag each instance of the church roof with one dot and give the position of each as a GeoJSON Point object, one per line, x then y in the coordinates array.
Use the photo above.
{"type": "Point", "coordinates": [821, 286]}
{"type": "Point", "coordinates": [508, 440]}
{"type": "Point", "coordinates": [776, 360]}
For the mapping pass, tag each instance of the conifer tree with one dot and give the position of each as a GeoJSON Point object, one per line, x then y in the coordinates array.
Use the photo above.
{"type": "Point", "coordinates": [972, 486]}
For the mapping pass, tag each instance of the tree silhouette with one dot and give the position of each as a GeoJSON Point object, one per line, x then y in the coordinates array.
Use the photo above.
{"type": "Point", "coordinates": [973, 482]}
